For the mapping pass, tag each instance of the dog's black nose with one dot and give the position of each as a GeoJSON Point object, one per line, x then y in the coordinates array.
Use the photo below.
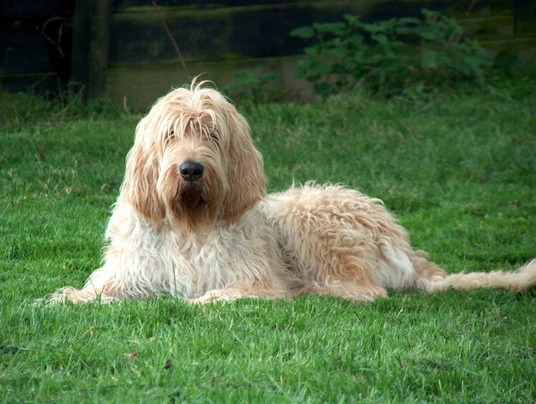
{"type": "Point", "coordinates": [191, 171]}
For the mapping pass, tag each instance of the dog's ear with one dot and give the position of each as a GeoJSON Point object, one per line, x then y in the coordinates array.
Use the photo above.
{"type": "Point", "coordinates": [139, 184]}
{"type": "Point", "coordinates": [247, 182]}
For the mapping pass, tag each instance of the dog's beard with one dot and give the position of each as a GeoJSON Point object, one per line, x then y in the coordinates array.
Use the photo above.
{"type": "Point", "coordinates": [196, 204]}
{"type": "Point", "coordinates": [190, 201]}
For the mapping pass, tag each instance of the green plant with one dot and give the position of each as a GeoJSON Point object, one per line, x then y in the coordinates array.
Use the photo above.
{"type": "Point", "coordinates": [248, 88]}
{"type": "Point", "coordinates": [392, 56]}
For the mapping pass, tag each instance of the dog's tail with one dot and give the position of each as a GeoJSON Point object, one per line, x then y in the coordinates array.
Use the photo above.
{"type": "Point", "coordinates": [520, 280]}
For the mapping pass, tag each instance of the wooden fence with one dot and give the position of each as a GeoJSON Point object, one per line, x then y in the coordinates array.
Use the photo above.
{"type": "Point", "coordinates": [133, 51]}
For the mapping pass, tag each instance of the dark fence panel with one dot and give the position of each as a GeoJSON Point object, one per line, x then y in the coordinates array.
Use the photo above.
{"type": "Point", "coordinates": [35, 45]}
{"type": "Point", "coordinates": [103, 46]}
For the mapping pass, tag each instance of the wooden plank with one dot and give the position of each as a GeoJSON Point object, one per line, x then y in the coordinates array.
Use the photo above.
{"type": "Point", "coordinates": [121, 5]}
{"type": "Point", "coordinates": [138, 87]}
{"type": "Point", "coordinates": [38, 10]}
{"type": "Point", "coordinates": [524, 17]}
{"type": "Point", "coordinates": [494, 27]}
{"type": "Point", "coordinates": [461, 8]}
{"type": "Point", "coordinates": [229, 33]}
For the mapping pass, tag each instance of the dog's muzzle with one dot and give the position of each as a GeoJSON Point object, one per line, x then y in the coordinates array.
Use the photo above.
{"type": "Point", "coordinates": [191, 171]}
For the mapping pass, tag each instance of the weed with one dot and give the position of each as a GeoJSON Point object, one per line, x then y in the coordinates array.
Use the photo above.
{"type": "Point", "coordinates": [248, 88]}
{"type": "Point", "coordinates": [391, 57]}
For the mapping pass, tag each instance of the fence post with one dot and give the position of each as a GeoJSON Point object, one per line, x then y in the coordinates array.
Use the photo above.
{"type": "Point", "coordinates": [91, 44]}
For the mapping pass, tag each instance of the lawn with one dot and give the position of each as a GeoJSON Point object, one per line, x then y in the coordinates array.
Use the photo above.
{"type": "Point", "coordinates": [458, 171]}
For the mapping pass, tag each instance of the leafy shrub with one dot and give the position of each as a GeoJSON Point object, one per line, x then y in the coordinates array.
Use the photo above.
{"type": "Point", "coordinates": [248, 88]}
{"type": "Point", "coordinates": [391, 57]}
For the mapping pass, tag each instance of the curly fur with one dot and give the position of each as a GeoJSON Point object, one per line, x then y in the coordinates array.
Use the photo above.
{"type": "Point", "coordinates": [215, 234]}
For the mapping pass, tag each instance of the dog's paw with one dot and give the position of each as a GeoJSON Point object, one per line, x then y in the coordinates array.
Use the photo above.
{"type": "Point", "coordinates": [72, 295]}
{"type": "Point", "coordinates": [217, 295]}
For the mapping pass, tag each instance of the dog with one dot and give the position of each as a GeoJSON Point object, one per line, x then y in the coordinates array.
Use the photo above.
{"type": "Point", "coordinates": [193, 220]}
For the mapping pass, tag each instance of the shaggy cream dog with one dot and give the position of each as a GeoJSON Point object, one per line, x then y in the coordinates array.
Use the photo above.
{"type": "Point", "coordinates": [193, 220]}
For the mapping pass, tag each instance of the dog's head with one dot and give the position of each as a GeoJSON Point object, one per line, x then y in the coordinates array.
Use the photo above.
{"type": "Point", "coordinates": [193, 161]}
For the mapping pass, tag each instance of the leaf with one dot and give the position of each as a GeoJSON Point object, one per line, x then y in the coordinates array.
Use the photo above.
{"type": "Point", "coordinates": [245, 78]}
{"type": "Point", "coordinates": [372, 28]}
{"type": "Point", "coordinates": [313, 78]}
{"type": "Point", "coordinates": [405, 30]}
{"type": "Point", "coordinates": [301, 70]}
{"type": "Point", "coordinates": [320, 67]}
{"type": "Point", "coordinates": [355, 39]}
{"type": "Point", "coordinates": [321, 89]}
{"type": "Point", "coordinates": [337, 53]}
{"type": "Point", "coordinates": [429, 34]}
{"type": "Point", "coordinates": [429, 59]}
{"type": "Point", "coordinates": [313, 50]}
{"type": "Point", "coordinates": [408, 21]}
{"type": "Point", "coordinates": [353, 20]}
{"type": "Point", "coordinates": [335, 28]}
{"type": "Point", "coordinates": [303, 32]}
{"type": "Point", "coordinates": [381, 39]}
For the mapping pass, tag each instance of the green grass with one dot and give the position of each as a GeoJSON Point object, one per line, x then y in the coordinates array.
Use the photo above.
{"type": "Point", "coordinates": [459, 172]}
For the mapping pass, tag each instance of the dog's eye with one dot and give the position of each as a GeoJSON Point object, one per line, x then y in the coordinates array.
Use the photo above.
{"type": "Point", "coordinates": [168, 138]}
{"type": "Point", "coordinates": [214, 136]}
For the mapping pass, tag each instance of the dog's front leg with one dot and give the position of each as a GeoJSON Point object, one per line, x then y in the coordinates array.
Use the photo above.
{"type": "Point", "coordinates": [70, 294]}
{"type": "Point", "coordinates": [99, 288]}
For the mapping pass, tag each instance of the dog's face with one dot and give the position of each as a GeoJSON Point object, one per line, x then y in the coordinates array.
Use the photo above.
{"type": "Point", "coordinates": [193, 161]}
